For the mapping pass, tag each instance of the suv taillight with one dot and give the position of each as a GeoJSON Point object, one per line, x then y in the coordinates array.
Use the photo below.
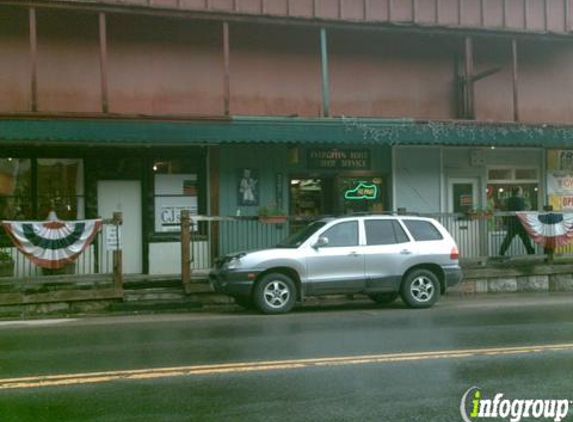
{"type": "Point", "coordinates": [454, 254]}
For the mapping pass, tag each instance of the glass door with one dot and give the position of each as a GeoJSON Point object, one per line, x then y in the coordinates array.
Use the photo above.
{"type": "Point", "coordinates": [462, 198]}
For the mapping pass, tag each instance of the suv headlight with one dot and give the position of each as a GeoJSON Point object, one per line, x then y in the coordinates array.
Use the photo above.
{"type": "Point", "coordinates": [235, 261]}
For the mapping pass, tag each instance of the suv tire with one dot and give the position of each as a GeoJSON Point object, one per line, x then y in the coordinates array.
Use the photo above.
{"type": "Point", "coordinates": [384, 298]}
{"type": "Point", "coordinates": [420, 289]}
{"type": "Point", "coordinates": [275, 293]}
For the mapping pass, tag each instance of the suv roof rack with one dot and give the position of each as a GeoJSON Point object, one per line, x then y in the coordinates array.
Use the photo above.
{"type": "Point", "coordinates": [374, 213]}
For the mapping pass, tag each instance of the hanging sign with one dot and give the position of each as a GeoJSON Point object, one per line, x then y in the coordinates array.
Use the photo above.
{"type": "Point", "coordinates": [335, 158]}
{"type": "Point", "coordinates": [112, 236]}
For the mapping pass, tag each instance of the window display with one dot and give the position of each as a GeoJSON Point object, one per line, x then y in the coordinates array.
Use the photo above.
{"type": "Point", "coordinates": [175, 190]}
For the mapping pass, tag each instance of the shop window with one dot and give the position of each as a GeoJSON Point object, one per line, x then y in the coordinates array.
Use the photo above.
{"type": "Point", "coordinates": [526, 174]}
{"type": "Point", "coordinates": [16, 189]}
{"type": "Point", "coordinates": [60, 187]}
{"type": "Point", "coordinates": [176, 189]}
{"type": "Point", "coordinates": [500, 174]}
{"type": "Point", "coordinates": [499, 190]}
{"type": "Point", "coordinates": [498, 194]}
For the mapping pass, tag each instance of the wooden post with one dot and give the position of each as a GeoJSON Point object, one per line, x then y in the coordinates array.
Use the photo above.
{"type": "Point", "coordinates": [515, 80]}
{"type": "Point", "coordinates": [550, 252]}
{"type": "Point", "coordinates": [226, 71]}
{"type": "Point", "coordinates": [117, 254]}
{"type": "Point", "coordinates": [469, 81]}
{"type": "Point", "coordinates": [324, 72]}
{"type": "Point", "coordinates": [566, 13]}
{"type": "Point", "coordinates": [33, 60]}
{"type": "Point", "coordinates": [185, 248]}
{"type": "Point", "coordinates": [103, 62]}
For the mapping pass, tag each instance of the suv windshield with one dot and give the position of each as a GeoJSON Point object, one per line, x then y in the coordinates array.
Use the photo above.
{"type": "Point", "coordinates": [297, 238]}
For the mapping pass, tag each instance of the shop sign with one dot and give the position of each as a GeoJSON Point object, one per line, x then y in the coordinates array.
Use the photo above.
{"type": "Point", "coordinates": [566, 202]}
{"type": "Point", "coordinates": [112, 236]}
{"type": "Point", "coordinates": [362, 191]}
{"type": "Point", "coordinates": [560, 179]}
{"type": "Point", "coordinates": [560, 159]}
{"type": "Point", "coordinates": [170, 215]}
{"type": "Point", "coordinates": [559, 183]}
{"type": "Point", "coordinates": [339, 159]}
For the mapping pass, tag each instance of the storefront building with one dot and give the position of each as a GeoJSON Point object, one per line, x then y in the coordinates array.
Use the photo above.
{"type": "Point", "coordinates": [240, 110]}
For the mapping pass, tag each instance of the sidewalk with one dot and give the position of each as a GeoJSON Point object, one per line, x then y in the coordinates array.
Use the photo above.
{"type": "Point", "coordinates": [156, 294]}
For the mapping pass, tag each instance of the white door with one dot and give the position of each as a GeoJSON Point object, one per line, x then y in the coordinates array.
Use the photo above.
{"type": "Point", "coordinates": [124, 196]}
{"type": "Point", "coordinates": [463, 196]}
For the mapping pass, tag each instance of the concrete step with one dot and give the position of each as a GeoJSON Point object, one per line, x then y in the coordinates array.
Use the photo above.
{"type": "Point", "coordinates": [156, 306]}
{"type": "Point", "coordinates": [154, 294]}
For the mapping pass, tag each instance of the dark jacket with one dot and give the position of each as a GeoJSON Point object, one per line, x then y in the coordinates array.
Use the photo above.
{"type": "Point", "coordinates": [514, 203]}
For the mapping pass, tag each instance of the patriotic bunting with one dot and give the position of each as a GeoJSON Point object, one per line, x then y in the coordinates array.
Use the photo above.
{"type": "Point", "coordinates": [550, 230]}
{"type": "Point", "coordinates": [52, 244]}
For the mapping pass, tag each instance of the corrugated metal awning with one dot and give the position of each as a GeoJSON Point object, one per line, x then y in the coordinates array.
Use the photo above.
{"type": "Point", "coordinates": [51, 131]}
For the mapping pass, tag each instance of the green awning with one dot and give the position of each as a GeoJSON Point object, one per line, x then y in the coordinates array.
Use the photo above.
{"type": "Point", "coordinates": [279, 130]}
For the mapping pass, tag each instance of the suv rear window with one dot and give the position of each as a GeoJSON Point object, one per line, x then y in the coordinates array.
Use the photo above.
{"type": "Point", "coordinates": [423, 230]}
{"type": "Point", "coordinates": [384, 232]}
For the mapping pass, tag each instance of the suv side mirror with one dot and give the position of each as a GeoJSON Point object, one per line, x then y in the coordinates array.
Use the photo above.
{"type": "Point", "coordinates": [321, 243]}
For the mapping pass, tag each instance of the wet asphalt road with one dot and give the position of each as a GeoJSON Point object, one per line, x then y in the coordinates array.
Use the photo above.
{"type": "Point", "coordinates": [404, 389]}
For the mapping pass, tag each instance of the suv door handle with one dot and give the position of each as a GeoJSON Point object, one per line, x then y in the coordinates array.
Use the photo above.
{"type": "Point", "coordinates": [353, 253]}
{"type": "Point", "coordinates": [406, 252]}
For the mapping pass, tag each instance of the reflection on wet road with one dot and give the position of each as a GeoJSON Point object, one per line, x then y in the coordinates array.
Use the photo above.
{"type": "Point", "coordinates": [347, 362]}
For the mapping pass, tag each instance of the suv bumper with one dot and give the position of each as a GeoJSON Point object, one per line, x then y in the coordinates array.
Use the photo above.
{"type": "Point", "coordinates": [233, 283]}
{"type": "Point", "coordinates": [452, 275]}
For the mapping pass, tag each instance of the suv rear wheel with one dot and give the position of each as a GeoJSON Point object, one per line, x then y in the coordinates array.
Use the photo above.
{"type": "Point", "coordinates": [420, 289]}
{"type": "Point", "coordinates": [275, 293]}
{"type": "Point", "coordinates": [383, 298]}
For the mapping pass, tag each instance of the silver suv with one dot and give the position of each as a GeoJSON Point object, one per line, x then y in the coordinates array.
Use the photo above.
{"type": "Point", "coordinates": [380, 256]}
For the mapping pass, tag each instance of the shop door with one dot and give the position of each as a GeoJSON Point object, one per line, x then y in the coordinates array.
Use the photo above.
{"type": "Point", "coordinates": [124, 196]}
{"type": "Point", "coordinates": [463, 196]}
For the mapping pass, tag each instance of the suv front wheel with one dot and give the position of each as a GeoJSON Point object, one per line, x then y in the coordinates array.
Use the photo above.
{"type": "Point", "coordinates": [275, 293]}
{"type": "Point", "coordinates": [420, 289]}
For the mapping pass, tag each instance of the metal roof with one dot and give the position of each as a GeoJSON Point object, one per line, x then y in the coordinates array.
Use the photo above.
{"type": "Point", "coordinates": [342, 130]}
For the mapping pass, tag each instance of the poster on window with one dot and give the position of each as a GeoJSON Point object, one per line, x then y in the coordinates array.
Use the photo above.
{"type": "Point", "coordinates": [560, 179]}
{"type": "Point", "coordinates": [248, 187]}
{"type": "Point", "coordinates": [174, 193]}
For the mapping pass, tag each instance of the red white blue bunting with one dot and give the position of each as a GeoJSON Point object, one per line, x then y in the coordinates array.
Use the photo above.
{"type": "Point", "coordinates": [550, 230]}
{"type": "Point", "coordinates": [52, 244]}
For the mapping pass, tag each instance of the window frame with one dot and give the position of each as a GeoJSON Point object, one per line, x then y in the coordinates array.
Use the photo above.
{"type": "Point", "coordinates": [406, 221]}
{"type": "Point", "coordinates": [394, 223]}
{"type": "Point", "coordinates": [358, 236]}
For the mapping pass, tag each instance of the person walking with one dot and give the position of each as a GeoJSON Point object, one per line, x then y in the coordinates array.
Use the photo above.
{"type": "Point", "coordinates": [513, 225]}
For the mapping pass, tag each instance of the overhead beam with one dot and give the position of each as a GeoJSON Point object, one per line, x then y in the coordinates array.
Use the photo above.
{"type": "Point", "coordinates": [486, 73]}
{"type": "Point", "coordinates": [143, 10]}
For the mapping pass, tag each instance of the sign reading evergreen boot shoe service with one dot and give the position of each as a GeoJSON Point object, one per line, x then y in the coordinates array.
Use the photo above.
{"type": "Point", "coordinates": [338, 158]}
